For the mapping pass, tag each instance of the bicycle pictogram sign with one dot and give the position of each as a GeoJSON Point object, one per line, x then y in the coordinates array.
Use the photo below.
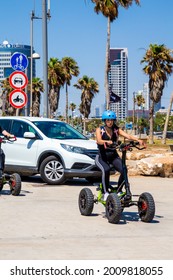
{"type": "Point", "coordinates": [19, 61]}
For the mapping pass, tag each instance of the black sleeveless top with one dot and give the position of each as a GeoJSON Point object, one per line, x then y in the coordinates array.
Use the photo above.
{"type": "Point", "coordinates": [107, 153]}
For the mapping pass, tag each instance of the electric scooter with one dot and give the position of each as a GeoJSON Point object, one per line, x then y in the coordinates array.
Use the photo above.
{"type": "Point", "coordinates": [13, 180]}
{"type": "Point", "coordinates": [119, 197]}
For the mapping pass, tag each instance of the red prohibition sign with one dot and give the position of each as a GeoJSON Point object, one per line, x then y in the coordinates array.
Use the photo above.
{"type": "Point", "coordinates": [18, 98]}
{"type": "Point", "coordinates": [18, 80]}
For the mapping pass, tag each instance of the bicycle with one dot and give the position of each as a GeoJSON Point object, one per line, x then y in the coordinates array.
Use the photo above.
{"type": "Point", "coordinates": [13, 180]}
{"type": "Point", "coordinates": [119, 197]}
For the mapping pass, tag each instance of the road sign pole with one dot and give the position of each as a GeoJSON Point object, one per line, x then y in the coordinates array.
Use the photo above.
{"type": "Point", "coordinates": [45, 57]}
{"type": "Point", "coordinates": [26, 91]}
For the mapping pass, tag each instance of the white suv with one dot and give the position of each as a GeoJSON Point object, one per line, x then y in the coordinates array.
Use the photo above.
{"type": "Point", "coordinates": [50, 147]}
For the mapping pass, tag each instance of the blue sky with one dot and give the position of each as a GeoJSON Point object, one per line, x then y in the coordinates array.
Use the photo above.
{"type": "Point", "coordinates": [75, 30]}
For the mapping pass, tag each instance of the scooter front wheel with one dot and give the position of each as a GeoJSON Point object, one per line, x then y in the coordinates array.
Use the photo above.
{"type": "Point", "coordinates": [113, 208]}
{"type": "Point", "coordinates": [15, 184]}
{"type": "Point", "coordinates": [146, 207]}
{"type": "Point", "coordinates": [86, 201]}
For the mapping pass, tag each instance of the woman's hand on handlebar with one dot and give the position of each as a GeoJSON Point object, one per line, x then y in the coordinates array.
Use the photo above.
{"type": "Point", "coordinates": [12, 136]}
{"type": "Point", "coordinates": [142, 143]}
{"type": "Point", "coordinates": [109, 142]}
{"type": "Point", "coordinates": [9, 136]}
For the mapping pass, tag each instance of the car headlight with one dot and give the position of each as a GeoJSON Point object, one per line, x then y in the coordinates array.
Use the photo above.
{"type": "Point", "coordinates": [73, 149]}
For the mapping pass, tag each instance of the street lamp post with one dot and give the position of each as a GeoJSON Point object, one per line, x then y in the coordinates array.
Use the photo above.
{"type": "Point", "coordinates": [45, 15]}
{"type": "Point", "coordinates": [32, 56]}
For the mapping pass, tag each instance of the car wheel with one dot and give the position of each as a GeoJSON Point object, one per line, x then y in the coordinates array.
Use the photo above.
{"type": "Point", "coordinates": [52, 171]}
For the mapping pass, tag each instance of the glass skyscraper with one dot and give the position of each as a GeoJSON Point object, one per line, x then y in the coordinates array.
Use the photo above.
{"type": "Point", "coordinates": [118, 80]}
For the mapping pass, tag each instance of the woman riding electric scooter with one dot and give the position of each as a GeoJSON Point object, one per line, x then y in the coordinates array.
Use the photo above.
{"type": "Point", "coordinates": [105, 136]}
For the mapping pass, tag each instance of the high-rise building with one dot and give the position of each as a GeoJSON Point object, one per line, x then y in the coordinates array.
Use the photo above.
{"type": "Point", "coordinates": [145, 94]}
{"type": "Point", "coordinates": [6, 51]}
{"type": "Point", "coordinates": [97, 112]}
{"type": "Point", "coordinates": [118, 80]}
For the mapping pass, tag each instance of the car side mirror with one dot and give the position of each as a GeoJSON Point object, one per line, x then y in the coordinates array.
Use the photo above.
{"type": "Point", "coordinates": [29, 135]}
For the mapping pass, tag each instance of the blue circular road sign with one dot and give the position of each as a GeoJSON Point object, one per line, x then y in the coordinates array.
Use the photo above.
{"type": "Point", "coordinates": [19, 61]}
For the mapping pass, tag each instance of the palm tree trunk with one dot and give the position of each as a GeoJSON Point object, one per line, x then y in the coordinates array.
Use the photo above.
{"type": "Point", "coordinates": [66, 111]}
{"type": "Point", "coordinates": [84, 126]}
{"type": "Point", "coordinates": [107, 65]}
{"type": "Point", "coordinates": [151, 120]}
{"type": "Point", "coordinates": [167, 120]}
{"type": "Point", "coordinates": [58, 95]}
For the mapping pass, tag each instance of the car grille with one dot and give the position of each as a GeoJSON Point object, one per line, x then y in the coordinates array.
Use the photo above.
{"type": "Point", "coordinates": [91, 153]}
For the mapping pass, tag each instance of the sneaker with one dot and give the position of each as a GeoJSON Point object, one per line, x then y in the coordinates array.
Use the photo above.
{"type": "Point", "coordinates": [105, 196]}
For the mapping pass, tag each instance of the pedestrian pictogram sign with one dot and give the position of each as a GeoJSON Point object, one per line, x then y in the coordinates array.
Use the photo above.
{"type": "Point", "coordinates": [18, 80]}
{"type": "Point", "coordinates": [18, 98]}
{"type": "Point", "coordinates": [19, 61]}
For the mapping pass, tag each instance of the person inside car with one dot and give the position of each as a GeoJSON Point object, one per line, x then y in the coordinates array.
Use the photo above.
{"type": "Point", "coordinates": [105, 137]}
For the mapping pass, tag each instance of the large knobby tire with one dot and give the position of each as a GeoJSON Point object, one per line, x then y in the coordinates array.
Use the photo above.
{"type": "Point", "coordinates": [113, 208]}
{"type": "Point", "coordinates": [146, 207]}
{"type": "Point", "coordinates": [15, 184]}
{"type": "Point", "coordinates": [52, 171]}
{"type": "Point", "coordinates": [86, 201]}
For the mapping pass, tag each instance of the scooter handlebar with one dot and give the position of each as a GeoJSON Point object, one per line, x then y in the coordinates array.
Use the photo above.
{"type": "Point", "coordinates": [127, 146]}
{"type": "Point", "coordinates": [12, 139]}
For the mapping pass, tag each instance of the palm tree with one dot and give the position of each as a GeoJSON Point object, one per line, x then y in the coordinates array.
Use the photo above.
{"type": "Point", "coordinates": [109, 8]}
{"type": "Point", "coordinates": [72, 107]}
{"type": "Point", "coordinates": [37, 89]}
{"type": "Point", "coordinates": [158, 67]}
{"type": "Point", "coordinates": [140, 100]}
{"type": "Point", "coordinates": [56, 79]}
{"type": "Point", "coordinates": [89, 88]}
{"type": "Point", "coordinates": [70, 68]}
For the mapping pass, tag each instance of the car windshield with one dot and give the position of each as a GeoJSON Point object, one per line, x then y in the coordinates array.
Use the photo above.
{"type": "Point", "coordinates": [59, 130]}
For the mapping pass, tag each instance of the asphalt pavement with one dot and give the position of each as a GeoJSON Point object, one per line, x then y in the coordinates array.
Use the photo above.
{"type": "Point", "coordinates": [44, 223]}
